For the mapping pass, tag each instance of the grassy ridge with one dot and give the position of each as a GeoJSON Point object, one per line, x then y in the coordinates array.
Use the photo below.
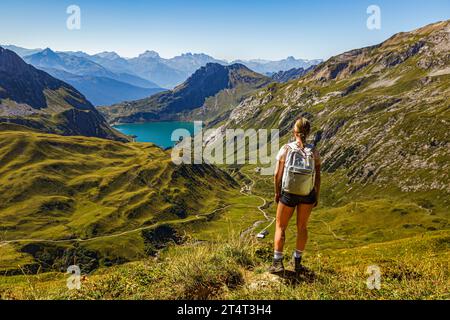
{"type": "Point", "coordinates": [58, 188]}
{"type": "Point", "coordinates": [413, 268]}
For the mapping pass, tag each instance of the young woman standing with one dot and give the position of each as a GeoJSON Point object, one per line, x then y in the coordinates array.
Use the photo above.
{"type": "Point", "coordinates": [287, 202]}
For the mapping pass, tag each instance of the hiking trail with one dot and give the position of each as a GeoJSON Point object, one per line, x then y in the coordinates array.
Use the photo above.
{"type": "Point", "coordinates": [247, 190]}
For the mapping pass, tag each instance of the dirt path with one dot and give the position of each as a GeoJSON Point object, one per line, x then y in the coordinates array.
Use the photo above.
{"type": "Point", "coordinates": [331, 230]}
{"type": "Point", "coordinates": [247, 191]}
{"type": "Point", "coordinates": [124, 233]}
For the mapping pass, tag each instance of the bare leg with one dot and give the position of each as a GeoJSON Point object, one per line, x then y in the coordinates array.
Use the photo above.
{"type": "Point", "coordinates": [284, 214]}
{"type": "Point", "coordinates": [303, 214]}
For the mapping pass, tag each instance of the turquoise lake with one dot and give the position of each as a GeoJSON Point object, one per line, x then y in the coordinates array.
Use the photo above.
{"type": "Point", "coordinates": [159, 133]}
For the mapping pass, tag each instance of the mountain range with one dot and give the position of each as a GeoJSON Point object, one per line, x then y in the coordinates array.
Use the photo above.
{"type": "Point", "coordinates": [381, 118]}
{"type": "Point", "coordinates": [213, 90]}
{"type": "Point", "coordinates": [161, 72]}
{"type": "Point", "coordinates": [381, 114]}
{"type": "Point", "coordinates": [100, 85]}
{"type": "Point", "coordinates": [32, 99]}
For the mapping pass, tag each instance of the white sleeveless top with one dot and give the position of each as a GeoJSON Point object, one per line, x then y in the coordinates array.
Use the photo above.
{"type": "Point", "coordinates": [293, 146]}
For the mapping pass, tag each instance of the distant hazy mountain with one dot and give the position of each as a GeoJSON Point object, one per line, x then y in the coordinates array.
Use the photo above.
{"type": "Point", "coordinates": [99, 84]}
{"type": "Point", "coordinates": [158, 71]}
{"type": "Point", "coordinates": [103, 91]}
{"type": "Point", "coordinates": [190, 63]}
{"type": "Point", "coordinates": [211, 82]}
{"type": "Point", "coordinates": [31, 98]}
{"type": "Point", "coordinates": [22, 52]}
{"type": "Point", "coordinates": [112, 61]}
{"type": "Point", "coordinates": [135, 81]}
{"type": "Point", "coordinates": [167, 73]}
{"type": "Point", "coordinates": [266, 66]}
{"type": "Point", "coordinates": [80, 54]}
{"type": "Point", "coordinates": [151, 67]}
{"type": "Point", "coordinates": [79, 63]}
{"type": "Point", "coordinates": [67, 62]}
{"type": "Point", "coordinates": [285, 76]}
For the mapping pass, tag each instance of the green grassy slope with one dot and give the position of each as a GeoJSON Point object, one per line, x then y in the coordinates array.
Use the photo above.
{"type": "Point", "coordinates": [65, 188]}
{"type": "Point", "coordinates": [414, 268]}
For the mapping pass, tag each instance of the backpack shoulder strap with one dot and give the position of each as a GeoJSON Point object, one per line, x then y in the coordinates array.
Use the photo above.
{"type": "Point", "coordinates": [289, 153]}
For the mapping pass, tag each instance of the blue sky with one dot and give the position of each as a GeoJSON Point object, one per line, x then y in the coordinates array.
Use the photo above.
{"type": "Point", "coordinates": [231, 29]}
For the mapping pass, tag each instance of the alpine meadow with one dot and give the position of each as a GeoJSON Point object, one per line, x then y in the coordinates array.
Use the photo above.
{"type": "Point", "coordinates": [75, 191]}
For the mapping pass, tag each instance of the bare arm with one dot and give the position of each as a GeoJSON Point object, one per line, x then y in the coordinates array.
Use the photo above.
{"type": "Point", "coordinates": [279, 170]}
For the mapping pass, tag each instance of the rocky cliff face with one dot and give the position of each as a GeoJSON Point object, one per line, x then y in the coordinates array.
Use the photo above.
{"type": "Point", "coordinates": [382, 112]}
{"type": "Point", "coordinates": [34, 99]}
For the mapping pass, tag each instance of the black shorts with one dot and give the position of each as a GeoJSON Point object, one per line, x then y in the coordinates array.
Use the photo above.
{"type": "Point", "coordinates": [292, 200]}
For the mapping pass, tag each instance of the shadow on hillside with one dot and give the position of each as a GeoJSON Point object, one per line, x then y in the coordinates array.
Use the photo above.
{"type": "Point", "coordinates": [294, 278]}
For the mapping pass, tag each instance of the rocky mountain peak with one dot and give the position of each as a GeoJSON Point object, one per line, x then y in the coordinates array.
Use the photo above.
{"type": "Point", "coordinates": [149, 54]}
{"type": "Point", "coordinates": [47, 52]}
{"type": "Point", "coordinates": [207, 82]}
{"type": "Point", "coordinates": [110, 55]}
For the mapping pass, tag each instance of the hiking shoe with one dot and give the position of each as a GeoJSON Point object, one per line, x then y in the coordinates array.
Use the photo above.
{"type": "Point", "coordinates": [277, 266]}
{"type": "Point", "coordinates": [298, 267]}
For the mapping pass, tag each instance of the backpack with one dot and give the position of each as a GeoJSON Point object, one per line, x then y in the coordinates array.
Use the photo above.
{"type": "Point", "coordinates": [299, 171]}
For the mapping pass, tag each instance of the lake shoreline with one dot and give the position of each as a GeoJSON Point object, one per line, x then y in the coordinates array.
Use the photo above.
{"type": "Point", "coordinates": [156, 132]}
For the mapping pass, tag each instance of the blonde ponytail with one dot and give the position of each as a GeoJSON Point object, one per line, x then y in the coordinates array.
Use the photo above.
{"type": "Point", "coordinates": [303, 128]}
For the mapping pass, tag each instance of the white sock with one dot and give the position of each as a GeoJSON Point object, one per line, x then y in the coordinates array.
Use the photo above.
{"type": "Point", "coordinates": [278, 255]}
{"type": "Point", "coordinates": [298, 254]}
